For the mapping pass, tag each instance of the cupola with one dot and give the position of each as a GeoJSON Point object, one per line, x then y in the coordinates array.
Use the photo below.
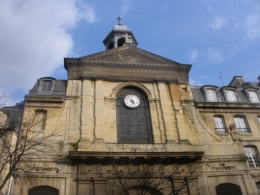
{"type": "Point", "coordinates": [119, 36]}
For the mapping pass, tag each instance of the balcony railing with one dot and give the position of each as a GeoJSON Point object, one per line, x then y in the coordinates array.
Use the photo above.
{"type": "Point", "coordinates": [243, 130]}
{"type": "Point", "coordinates": [221, 130]}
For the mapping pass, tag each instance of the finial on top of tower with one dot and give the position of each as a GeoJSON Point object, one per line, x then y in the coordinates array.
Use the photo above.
{"type": "Point", "coordinates": [119, 18]}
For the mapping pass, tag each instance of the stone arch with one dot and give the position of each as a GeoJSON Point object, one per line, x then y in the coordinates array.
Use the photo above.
{"type": "Point", "coordinates": [228, 189]}
{"type": "Point", "coordinates": [117, 89]}
{"type": "Point", "coordinates": [38, 190]}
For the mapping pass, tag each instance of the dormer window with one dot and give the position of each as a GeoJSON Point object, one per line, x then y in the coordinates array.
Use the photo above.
{"type": "Point", "coordinates": [231, 96]}
{"type": "Point", "coordinates": [46, 85]}
{"type": "Point", "coordinates": [253, 97]}
{"type": "Point", "coordinates": [211, 95]}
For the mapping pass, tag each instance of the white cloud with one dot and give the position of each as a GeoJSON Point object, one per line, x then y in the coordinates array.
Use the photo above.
{"type": "Point", "coordinates": [126, 7]}
{"type": "Point", "coordinates": [252, 23]}
{"type": "Point", "coordinates": [194, 55]}
{"type": "Point", "coordinates": [218, 23]}
{"type": "Point", "coordinates": [214, 56]}
{"type": "Point", "coordinates": [211, 55]}
{"type": "Point", "coordinates": [34, 38]}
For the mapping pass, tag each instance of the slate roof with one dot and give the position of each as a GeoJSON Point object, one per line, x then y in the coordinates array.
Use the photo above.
{"type": "Point", "coordinates": [240, 89]}
{"type": "Point", "coordinates": [58, 90]}
{"type": "Point", "coordinates": [14, 114]}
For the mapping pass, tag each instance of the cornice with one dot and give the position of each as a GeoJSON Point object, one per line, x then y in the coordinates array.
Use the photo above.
{"type": "Point", "coordinates": [103, 156]}
{"type": "Point", "coordinates": [227, 105]}
{"type": "Point", "coordinates": [129, 65]}
{"type": "Point", "coordinates": [126, 56]}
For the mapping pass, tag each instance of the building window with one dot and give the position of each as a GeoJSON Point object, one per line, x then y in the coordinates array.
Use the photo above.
{"type": "Point", "coordinates": [211, 95]}
{"type": "Point", "coordinates": [43, 190]}
{"type": "Point", "coordinates": [46, 85]}
{"type": "Point", "coordinates": [252, 156]}
{"type": "Point", "coordinates": [241, 125]}
{"type": "Point", "coordinates": [258, 187]}
{"type": "Point", "coordinates": [253, 96]}
{"type": "Point", "coordinates": [134, 122]}
{"type": "Point", "coordinates": [228, 189]}
{"type": "Point", "coordinates": [220, 124]}
{"type": "Point", "coordinates": [40, 119]}
{"type": "Point", "coordinates": [231, 96]}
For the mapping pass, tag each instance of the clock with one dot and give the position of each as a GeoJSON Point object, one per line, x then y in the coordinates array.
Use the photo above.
{"type": "Point", "coordinates": [132, 101]}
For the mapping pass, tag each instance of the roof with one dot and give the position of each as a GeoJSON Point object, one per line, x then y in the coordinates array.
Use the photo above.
{"type": "Point", "coordinates": [58, 88]}
{"type": "Point", "coordinates": [199, 94]}
{"type": "Point", "coordinates": [121, 27]}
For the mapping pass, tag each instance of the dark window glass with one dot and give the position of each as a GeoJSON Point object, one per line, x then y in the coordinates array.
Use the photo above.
{"type": "Point", "coordinates": [43, 190]}
{"type": "Point", "coordinates": [228, 189]}
{"type": "Point", "coordinates": [133, 124]}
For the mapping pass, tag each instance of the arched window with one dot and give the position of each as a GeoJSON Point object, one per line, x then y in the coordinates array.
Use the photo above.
{"type": "Point", "coordinates": [228, 189]}
{"type": "Point", "coordinates": [121, 42]}
{"type": "Point", "coordinates": [133, 116]}
{"type": "Point", "coordinates": [43, 190]}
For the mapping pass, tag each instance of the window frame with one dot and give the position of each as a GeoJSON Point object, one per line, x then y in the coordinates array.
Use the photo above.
{"type": "Point", "coordinates": [45, 88]}
{"type": "Point", "coordinates": [243, 126]}
{"type": "Point", "coordinates": [221, 123]}
{"type": "Point", "coordinates": [42, 122]}
{"type": "Point", "coordinates": [46, 85]}
{"type": "Point", "coordinates": [211, 95]}
{"type": "Point", "coordinates": [253, 98]}
{"type": "Point", "coordinates": [134, 125]}
{"type": "Point", "coordinates": [233, 95]}
{"type": "Point", "coordinates": [253, 157]}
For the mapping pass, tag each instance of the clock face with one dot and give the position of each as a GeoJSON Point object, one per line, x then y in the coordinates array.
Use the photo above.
{"type": "Point", "coordinates": [132, 101]}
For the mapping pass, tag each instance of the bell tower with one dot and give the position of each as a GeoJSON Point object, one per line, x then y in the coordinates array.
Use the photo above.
{"type": "Point", "coordinates": [119, 36]}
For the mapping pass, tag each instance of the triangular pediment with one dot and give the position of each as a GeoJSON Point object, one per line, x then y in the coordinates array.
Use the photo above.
{"type": "Point", "coordinates": [128, 55]}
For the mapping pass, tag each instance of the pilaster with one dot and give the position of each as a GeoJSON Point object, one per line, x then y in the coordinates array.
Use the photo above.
{"type": "Point", "coordinates": [167, 112]}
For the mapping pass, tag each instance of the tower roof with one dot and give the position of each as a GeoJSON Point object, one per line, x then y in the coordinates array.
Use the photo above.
{"type": "Point", "coordinates": [119, 36]}
{"type": "Point", "coordinates": [121, 28]}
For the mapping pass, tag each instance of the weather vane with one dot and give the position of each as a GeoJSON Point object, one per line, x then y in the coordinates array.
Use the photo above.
{"type": "Point", "coordinates": [119, 18]}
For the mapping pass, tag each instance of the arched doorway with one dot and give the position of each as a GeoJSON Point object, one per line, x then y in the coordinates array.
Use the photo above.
{"type": "Point", "coordinates": [43, 190]}
{"type": "Point", "coordinates": [228, 189]}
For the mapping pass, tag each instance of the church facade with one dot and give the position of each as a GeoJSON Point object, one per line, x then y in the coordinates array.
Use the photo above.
{"type": "Point", "coordinates": [128, 122]}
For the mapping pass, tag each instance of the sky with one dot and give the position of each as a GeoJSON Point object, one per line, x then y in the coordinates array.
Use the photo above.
{"type": "Point", "coordinates": [216, 37]}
